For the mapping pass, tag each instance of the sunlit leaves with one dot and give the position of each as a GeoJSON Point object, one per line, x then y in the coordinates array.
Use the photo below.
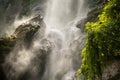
{"type": "Point", "coordinates": [103, 41]}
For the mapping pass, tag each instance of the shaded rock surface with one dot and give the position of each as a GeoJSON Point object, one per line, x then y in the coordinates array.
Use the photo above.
{"type": "Point", "coordinates": [5, 47]}
{"type": "Point", "coordinates": [95, 7]}
{"type": "Point", "coordinates": [112, 71]}
{"type": "Point", "coordinates": [22, 37]}
{"type": "Point", "coordinates": [10, 10]}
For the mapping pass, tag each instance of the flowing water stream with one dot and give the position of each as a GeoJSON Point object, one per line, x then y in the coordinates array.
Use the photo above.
{"type": "Point", "coordinates": [62, 41]}
{"type": "Point", "coordinates": [61, 20]}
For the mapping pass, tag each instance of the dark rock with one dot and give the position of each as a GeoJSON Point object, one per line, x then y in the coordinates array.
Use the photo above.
{"type": "Point", "coordinates": [96, 3]}
{"type": "Point", "coordinates": [30, 26]}
{"type": "Point", "coordinates": [81, 24]}
{"type": "Point", "coordinates": [92, 14]}
{"type": "Point", "coordinates": [95, 10]}
{"type": "Point", "coordinates": [28, 30]}
{"type": "Point", "coordinates": [112, 71]}
{"type": "Point", "coordinates": [6, 45]}
{"type": "Point", "coordinates": [91, 17]}
{"type": "Point", "coordinates": [23, 36]}
{"type": "Point", "coordinates": [96, 7]}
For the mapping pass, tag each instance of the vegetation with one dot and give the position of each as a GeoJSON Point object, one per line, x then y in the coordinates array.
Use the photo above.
{"type": "Point", "coordinates": [103, 41]}
{"type": "Point", "coordinates": [6, 44]}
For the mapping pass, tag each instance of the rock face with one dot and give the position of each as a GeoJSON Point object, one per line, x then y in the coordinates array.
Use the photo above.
{"type": "Point", "coordinates": [12, 9]}
{"type": "Point", "coordinates": [6, 45]}
{"type": "Point", "coordinates": [92, 15]}
{"type": "Point", "coordinates": [26, 32]}
{"type": "Point", "coordinates": [112, 70]}
{"type": "Point", "coordinates": [23, 36]}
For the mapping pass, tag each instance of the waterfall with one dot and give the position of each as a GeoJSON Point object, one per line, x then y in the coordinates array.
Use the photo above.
{"type": "Point", "coordinates": [62, 43]}
{"type": "Point", "coordinates": [61, 20]}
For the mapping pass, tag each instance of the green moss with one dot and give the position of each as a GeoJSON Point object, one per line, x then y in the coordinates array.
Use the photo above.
{"type": "Point", "coordinates": [103, 40]}
{"type": "Point", "coordinates": [6, 44]}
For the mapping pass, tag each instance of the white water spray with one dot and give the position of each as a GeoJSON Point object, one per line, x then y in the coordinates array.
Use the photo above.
{"type": "Point", "coordinates": [62, 37]}
{"type": "Point", "coordinates": [61, 19]}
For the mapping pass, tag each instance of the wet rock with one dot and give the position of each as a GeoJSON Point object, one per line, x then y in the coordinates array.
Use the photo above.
{"type": "Point", "coordinates": [112, 71]}
{"type": "Point", "coordinates": [26, 32]}
{"type": "Point", "coordinates": [6, 45]}
{"type": "Point", "coordinates": [92, 15]}
{"type": "Point", "coordinates": [96, 3]}
{"type": "Point", "coordinates": [81, 24]}
{"type": "Point", "coordinates": [22, 37]}
{"type": "Point", "coordinates": [30, 26]}
{"type": "Point", "coordinates": [95, 6]}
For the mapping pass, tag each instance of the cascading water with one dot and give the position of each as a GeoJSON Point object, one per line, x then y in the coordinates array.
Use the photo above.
{"type": "Point", "coordinates": [61, 20]}
{"type": "Point", "coordinates": [62, 42]}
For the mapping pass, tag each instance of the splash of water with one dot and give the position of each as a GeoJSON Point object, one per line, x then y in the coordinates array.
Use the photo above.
{"type": "Point", "coordinates": [61, 19]}
{"type": "Point", "coordinates": [61, 43]}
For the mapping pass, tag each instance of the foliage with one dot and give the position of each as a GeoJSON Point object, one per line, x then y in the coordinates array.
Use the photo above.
{"type": "Point", "coordinates": [103, 40]}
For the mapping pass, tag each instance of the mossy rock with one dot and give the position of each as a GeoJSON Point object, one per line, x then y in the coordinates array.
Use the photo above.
{"type": "Point", "coordinates": [6, 45]}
